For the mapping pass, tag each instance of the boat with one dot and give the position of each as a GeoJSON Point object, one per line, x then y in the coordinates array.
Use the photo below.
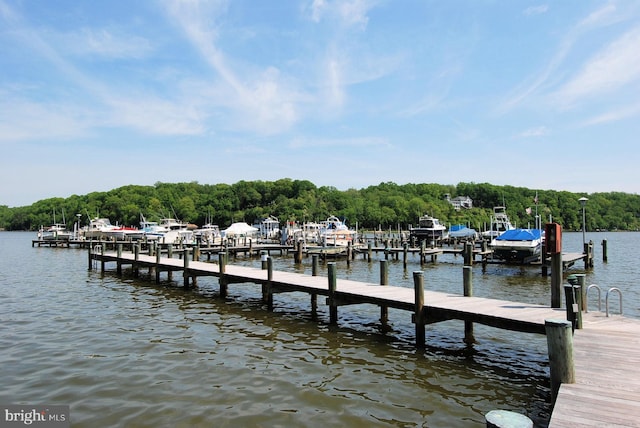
{"type": "Point", "coordinates": [55, 232]}
{"type": "Point", "coordinates": [518, 245]}
{"type": "Point", "coordinates": [335, 233]}
{"type": "Point", "coordinates": [499, 224]}
{"type": "Point", "coordinates": [268, 227]}
{"type": "Point", "coordinates": [125, 233]}
{"type": "Point", "coordinates": [429, 229]}
{"type": "Point", "coordinates": [461, 232]}
{"type": "Point", "coordinates": [176, 231]}
{"type": "Point", "coordinates": [98, 228]}
{"type": "Point", "coordinates": [208, 234]}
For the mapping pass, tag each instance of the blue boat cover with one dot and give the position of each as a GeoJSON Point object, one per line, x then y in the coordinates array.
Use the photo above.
{"type": "Point", "coordinates": [520, 235]}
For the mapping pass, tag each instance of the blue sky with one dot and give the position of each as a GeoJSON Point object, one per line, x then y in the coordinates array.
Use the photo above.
{"type": "Point", "coordinates": [96, 95]}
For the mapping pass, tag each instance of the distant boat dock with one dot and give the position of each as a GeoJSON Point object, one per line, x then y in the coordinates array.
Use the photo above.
{"type": "Point", "coordinates": [594, 358]}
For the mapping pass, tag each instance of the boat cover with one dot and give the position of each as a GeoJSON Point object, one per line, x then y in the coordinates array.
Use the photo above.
{"type": "Point", "coordinates": [520, 235]}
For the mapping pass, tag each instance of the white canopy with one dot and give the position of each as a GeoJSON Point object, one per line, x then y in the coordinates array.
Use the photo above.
{"type": "Point", "coordinates": [240, 229]}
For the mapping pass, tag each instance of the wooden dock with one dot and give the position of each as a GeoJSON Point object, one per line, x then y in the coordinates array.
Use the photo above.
{"type": "Point", "coordinates": [605, 352]}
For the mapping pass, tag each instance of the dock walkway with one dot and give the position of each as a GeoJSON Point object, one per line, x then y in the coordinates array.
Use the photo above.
{"type": "Point", "coordinates": [606, 351]}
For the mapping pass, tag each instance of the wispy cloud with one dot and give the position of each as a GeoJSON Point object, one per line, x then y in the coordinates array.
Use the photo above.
{"type": "Point", "coordinates": [263, 99]}
{"type": "Point", "coordinates": [614, 66]}
{"type": "Point", "coordinates": [603, 16]}
{"type": "Point", "coordinates": [539, 131]}
{"type": "Point", "coordinates": [536, 10]}
{"type": "Point", "coordinates": [106, 42]}
{"type": "Point", "coordinates": [306, 142]}
{"type": "Point", "coordinates": [613, 115]}
{"type": "Point", "coordinates": [348, 13]}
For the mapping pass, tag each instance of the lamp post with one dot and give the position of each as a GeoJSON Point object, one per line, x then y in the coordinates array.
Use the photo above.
{"type": "Point", "coordinates": [583, 202]}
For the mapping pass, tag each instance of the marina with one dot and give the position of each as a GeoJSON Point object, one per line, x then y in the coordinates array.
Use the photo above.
{"type": "Point", "coordinates": [427, 307]}
{"type": "Point", "coordinates": [275, 295]}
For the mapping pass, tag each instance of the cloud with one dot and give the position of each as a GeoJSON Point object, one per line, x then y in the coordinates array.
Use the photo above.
{"type": "Point", "coordinates": [536, 10]}
{"type": "Point", "coordinates": [305, 142]}
{"type": "Point", "coordinates": [539, 131]}
{"type": "Point", "coordinates": [108, 43]}
{"type": "Point", "coordinates": [347, 13]}
{"type": "Point", "coordinates": [262, 98]}
{"type": "Point", "coordinates": [614, 115]}
{"type": "Point", "coordinates": [615, 66]}
{"type": "Point", "coordinates": [603, 16]}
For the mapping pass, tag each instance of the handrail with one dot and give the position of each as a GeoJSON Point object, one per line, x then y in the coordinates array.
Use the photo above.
{"type": "Point", "coordinates": [586, 306]}
{"type": "Point", "coordinates": [607, 298]}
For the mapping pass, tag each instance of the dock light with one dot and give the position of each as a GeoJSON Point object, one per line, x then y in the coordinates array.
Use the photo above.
{"type": "Point", "coordinates": [583, 202]}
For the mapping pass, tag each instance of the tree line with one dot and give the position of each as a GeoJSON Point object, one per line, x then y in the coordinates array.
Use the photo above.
{"type": "Point", "coordinates": [383, 206]}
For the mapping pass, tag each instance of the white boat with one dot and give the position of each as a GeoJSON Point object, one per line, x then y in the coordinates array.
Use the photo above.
{"type": "Point", "coordinates": [124, 233]}
{"type": "Point", "coordinates": [98, 228]}
{"type": "Point", "coordinates": [176, 231]}
{"type": "Point", "coordinates": [208, 234]}
{"type": "Point", "coordinates": [268, 227]}
{"type": "Point", "coordinates": [55, 232]}
{"type": "Point", "coordinates": [518, 245]}
{"type": "Point", "coordinates": [499, 224]}
{"type": "Point", "coordinates": [429, 229]}
{"type": "Point", "coordinates": [334, 233]}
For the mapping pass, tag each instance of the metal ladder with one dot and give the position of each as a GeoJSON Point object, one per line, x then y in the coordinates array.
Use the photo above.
{"type": "Point", "coordinates": [609, 292]}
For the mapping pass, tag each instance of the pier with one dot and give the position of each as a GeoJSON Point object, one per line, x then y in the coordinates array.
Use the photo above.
{"type": "Point", "coordinates": [594, 358]}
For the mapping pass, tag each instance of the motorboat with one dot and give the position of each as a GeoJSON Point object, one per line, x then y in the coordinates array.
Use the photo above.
{"type": "Point", "coordinates": [176, 231]}
{"type": "Point", "coordinates": [429, 229]}
{"type": "Point", "coordinates": [55, 232]}
{"type": "Point", "coordinates": [335, 233]}
{"type": "Point", "coordinates": [462, 232]}
{"type": "Point", "coordinates": [518, 245]}
{"type": "Point", "coordinates": [209, 234]}
{"type": "Point", "coordinates": [98, 228]}
{"type": "Point", "coordinates": [499, 224]}
{"type": "Point", "coordinates": [268, 227]}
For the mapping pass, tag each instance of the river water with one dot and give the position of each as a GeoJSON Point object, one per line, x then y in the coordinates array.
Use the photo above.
{"type": "Point", "coordinates": [126, 352]}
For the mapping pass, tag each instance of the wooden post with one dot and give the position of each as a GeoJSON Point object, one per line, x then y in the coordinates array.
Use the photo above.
{"type": "Point", "coordinates": [102, 257]}
{"type": "Point", "coordinates": [405, 254]}
{"type": "Point", "coordinates": [418, 316]}
{"type": "Point", "coordinates": [118, 262]}
{"type": "Point", "coordinates": [349, 253]}
{"type": "Point", "coordinates": [384, 280]}
{"type": "Point", "coordinates": [556, 279]}
{"type": "Point", "coordinates": [90, 259]}
{"type": "Point", "coordinates": [185, 273]}
{"type": "Point", "coordinates": [157, 267]}
{"type": "Point", "coordinates": [314, 265]}
{"type": "Point", "coordinates": [268, 289]}
{"type": "Point", "coordinates": [571, 306]}
{"type": "Point", "coordinates": [604, 250]}
{"type": "Point", "coordinates": [222, 259]}
{"type": "Point", "coordinates": [136, 257]}
{"type": "Point", "coordinates": [170, 255]}
{"type": "Point", "coordinates": [560, 349]}
{"type": "Point", "coordinates": [264, 264]}
{"type": "Point", "coordinates": [369, 251]}
{"type": "Point", "coordinates": [467, 275]}
{"type": "Point", "coordinates": [333, 307]}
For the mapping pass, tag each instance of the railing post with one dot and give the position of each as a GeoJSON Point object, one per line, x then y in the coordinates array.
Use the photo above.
{"type": "Point", "coordinates": [560, 349]}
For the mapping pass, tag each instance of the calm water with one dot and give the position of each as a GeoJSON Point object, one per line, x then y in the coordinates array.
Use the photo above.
{"type": "Point", "coordinates": [127, 352]}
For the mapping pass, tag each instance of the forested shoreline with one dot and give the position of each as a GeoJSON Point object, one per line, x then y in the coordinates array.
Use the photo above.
{"type": "Point", "coordinates": [386, 205]}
